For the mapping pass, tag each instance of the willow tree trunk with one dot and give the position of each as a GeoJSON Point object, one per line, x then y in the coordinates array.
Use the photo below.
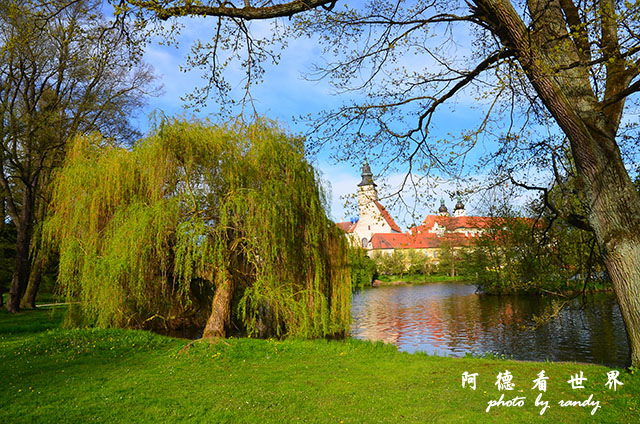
{"type": "Point", "coordinates": [23, 243]}
{"type": "Point", "coordinates": [220, 316]}
{"type": "Point", "coordinates": [556, 64]}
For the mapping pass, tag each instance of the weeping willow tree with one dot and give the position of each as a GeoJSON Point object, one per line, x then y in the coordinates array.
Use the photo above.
{"type": "Point", "coordinates": [232, 214]}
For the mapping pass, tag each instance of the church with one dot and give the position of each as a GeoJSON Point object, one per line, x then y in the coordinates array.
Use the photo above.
{"type": "Point", "coordinates": [376, 231]}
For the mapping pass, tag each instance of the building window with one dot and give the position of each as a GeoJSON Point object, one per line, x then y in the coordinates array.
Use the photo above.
{"type": "Point", "coordinates": [365, 242]}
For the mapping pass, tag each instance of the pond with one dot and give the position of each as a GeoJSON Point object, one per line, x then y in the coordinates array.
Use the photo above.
{"type": "Point", "coordinates": [453, 320]}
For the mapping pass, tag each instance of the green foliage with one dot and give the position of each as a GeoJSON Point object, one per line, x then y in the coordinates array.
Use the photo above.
{"type": "Point", "coordinates": [502, 258]}
{"type": "Point", "coordinates": [388, 280]}
{"type": "Point", "coordinates": [447, 259]}
{"type": "Point", "coordinates": [400, 262]}
{"type": "Point", "coordinates": [419, 262]}
{"type": "Point", "coordinates": [66, 69]}
{"type": "Point", "coordinates": [363, 268]}
{"type": "Point", "coordinates": [378, 259]}
{"type": "Point", "coordinates": [522, 255]}
{"type": "Point", "coordinates": [396, 262]}
{"type": "Point", "coordinates": [388, 263]}
{"type": "Point", "coordinates": [195, 204]}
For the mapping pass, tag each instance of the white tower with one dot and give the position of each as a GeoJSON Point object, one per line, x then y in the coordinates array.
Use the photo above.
{"type": "Point", "coordinates": [367, 193]}
{"type": "Point", "coordinates": [459, 208]}
{"type": "Point", "coordinates": [373, 216]}
{"type": "Point", "coordinates": [442, 211]}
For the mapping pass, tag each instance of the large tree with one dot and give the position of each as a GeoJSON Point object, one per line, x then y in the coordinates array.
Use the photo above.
{"type": "Point", "coordinates": [573, 62]}
{"type": "Point", "coordinates": [64, 69]}
{"type": "Point", "coordinates": [223, 228]}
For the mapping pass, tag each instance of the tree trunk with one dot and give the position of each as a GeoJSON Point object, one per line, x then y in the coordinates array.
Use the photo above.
{"type": "Point", "coordinates": [614, 214]}
{"type": "Point", "coordinates": [623, 264]}
{"type": "Point", "coordinates": [3, 212]}
{"type": "Point", "coordinates": [21, 273]}
{"type": "Point", "coordinates": [23, 263]}
{"type": "Point", "coordinates": [612, 201]}
{"type": "Point", "coordinates": [220, 310]}
{"type": "Point", "coordinates": [35, 278]}
{"type": "Point", "coordinates": [613, 205]}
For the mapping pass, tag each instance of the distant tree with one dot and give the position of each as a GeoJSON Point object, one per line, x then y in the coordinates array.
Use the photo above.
{"type": "Point", "coordinates": [477, 265]}
{"type": "Point", "coordinates": [394, 263]}
{"type": "Point", "coordinates": [504, 258]}
{"type": "Point", "coordinates": [380, 260]}
{"type": "Point", "coordinates": [447, 259]}
{"type": "Point", "coordinates": [64, 70]}
{"type": "Point", "coordinates": [398, 262]}
{"type": "Point", "coordinates": [363, 268]}
{"type": "Point", "coordinates": [146, 235]}
{"type": "Point", "coordinates": [527, 255]}
{"type": "Point", "coordinates": [418, 262]}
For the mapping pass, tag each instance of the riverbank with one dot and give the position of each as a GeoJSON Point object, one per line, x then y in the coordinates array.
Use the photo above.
{"type": "Point", "coordinates": [136, 376]}
{"type": "Point", "coordinates": [559, 289]}
{"type": "Point", "coordinates": [416, 279]}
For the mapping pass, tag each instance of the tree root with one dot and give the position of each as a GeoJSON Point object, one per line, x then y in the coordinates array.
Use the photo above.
{"type": "Point", "coordinates": [211, 340]}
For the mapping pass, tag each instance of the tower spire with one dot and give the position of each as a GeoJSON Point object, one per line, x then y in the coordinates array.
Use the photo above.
{"type": "Point", "coordinates": [459, 208]}
{"type": "Point", "coordinates": [443, 211]}
{"type": "Point", "coordinates": [367, 175]}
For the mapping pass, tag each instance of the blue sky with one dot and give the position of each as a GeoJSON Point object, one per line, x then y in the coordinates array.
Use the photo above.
{"type": "Point", "coordinates": [285, 94]}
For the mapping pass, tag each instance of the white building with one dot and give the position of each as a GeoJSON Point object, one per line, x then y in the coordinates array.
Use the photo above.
{"type": "Point", "coordinates": [373, 218]}
{"type": "Point", "coordinates": [375, 229]}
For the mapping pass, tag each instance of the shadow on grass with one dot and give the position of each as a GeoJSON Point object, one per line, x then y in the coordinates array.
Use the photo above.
{"type": "Point", "coordinates": [30, 321]}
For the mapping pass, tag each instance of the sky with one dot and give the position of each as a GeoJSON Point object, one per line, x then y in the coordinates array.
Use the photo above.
{"type": "Point", "coordinates": [286, 94]}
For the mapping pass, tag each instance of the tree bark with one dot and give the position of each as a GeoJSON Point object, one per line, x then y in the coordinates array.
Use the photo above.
{"type": "Point", "coordinates": [614, 214]}
{"type": "Point", "coordinates": [623, 264]}
{"type": "Point", "coordinates": [613, 202]}
{"type": "Point", "coordinates": [220, 316]}
{"type": "Point", "coordinates": [35, 278]}
{"type": "Point", "coordinates": [23, 263]}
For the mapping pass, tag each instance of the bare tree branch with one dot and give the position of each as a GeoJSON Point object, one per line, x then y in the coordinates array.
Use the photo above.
{"type": "Point", "coordinates": [227, 9]}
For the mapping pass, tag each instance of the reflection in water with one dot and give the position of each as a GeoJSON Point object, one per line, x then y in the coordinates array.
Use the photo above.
{"type": "Point", "coordinates": [451, 319]}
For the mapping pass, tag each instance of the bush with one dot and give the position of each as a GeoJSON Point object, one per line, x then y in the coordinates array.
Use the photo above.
{"type": "Point", "coordinates": [363, 268]}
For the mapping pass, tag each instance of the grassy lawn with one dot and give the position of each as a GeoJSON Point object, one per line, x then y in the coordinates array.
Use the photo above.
{"type": "Point", "coordinates": [55, 375]}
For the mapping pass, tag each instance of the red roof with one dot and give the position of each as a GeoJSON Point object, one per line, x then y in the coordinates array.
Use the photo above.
{"type": "Point", "coordinates": [346, 226]}
{"type": "Point", "coordinates": [388, 218]}
{"type": "Point", "coordinates": [455, 222]}
{"type": "Point", "coordinates": [389, 241]}
{"type": "Point", "coordinates": [418, 240]}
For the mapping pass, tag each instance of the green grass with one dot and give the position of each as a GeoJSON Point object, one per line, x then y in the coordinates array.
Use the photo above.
{"type": "Point", "coordinates": [29, 322]}
{"type": "Point", "coordinates": [116, 376]}
{"type": "Point", "coordinates": [49, 298]}
{"type": "Point", "coordinates": [421, 279]}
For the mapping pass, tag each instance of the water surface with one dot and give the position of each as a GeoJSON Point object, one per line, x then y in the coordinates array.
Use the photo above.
{"type": "Point", "coordinates": [452, 320]}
